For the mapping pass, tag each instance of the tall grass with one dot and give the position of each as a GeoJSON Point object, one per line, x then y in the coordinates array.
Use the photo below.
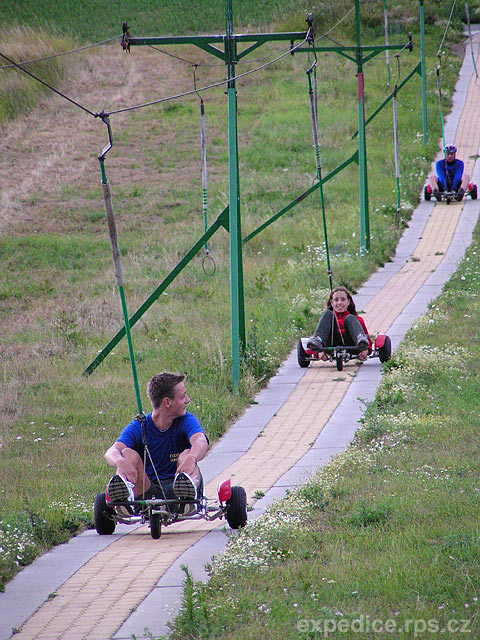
{"type": "Point", "coordinates": [93, 21]}
{"type": "Point", "coordinates": [59, 303]}
{"type": "Point", "coordinates": [20, 93]}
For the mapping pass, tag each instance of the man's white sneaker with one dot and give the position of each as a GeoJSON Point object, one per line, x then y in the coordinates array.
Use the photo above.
{"type": "Point", "coordinates": [119, 489]}
{"type": "Point", "coordinates": [184, 487]}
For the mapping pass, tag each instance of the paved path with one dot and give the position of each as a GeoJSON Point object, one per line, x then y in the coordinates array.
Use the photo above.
{"type": "Point", "coordinates": [302, 419]}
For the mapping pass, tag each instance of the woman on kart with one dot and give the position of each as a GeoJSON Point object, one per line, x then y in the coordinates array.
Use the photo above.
{"type": "Point", "coordinates": [340, 325]}
{"type": "Point", "coordinates": [450, 176]}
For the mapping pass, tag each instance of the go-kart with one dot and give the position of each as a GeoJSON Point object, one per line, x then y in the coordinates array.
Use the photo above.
{"type": "Point", "coordinates": [341, 354]}
{"type": "Point", "coordinates": [230, 504]}
{"type": "Point", "coordinates": [450, 196]}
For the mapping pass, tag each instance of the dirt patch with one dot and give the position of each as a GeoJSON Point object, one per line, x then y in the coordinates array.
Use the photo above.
{"type": "Point", "coordinates": [52, 151]}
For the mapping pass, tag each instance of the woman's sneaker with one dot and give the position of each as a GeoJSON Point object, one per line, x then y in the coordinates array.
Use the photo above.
{"type": "Point", "coordinates": [362, 340]}
{"type": "Point", "coordinates": [119, 489]}
{"type": "Point", "coordinates": [315, 343]}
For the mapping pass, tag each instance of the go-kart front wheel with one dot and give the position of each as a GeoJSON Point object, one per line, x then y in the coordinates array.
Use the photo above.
{"type": "Point", "coordinates": [103, 516]}
{"type": "Point", "coordinates": [155, 525]}
{"type": "Point", "coordinates": [237, 508]}
{"type": "Point", "coordinates": [473, 192]}
{"type": "Point", "coordinates": [302, 358]}
{"type": "Point", "coordinates": [339, 361]}
{"type": "Point", "coordinates": [427, 193]}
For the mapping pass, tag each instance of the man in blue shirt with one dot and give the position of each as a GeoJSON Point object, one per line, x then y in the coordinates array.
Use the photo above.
{"type": "Point", "coordinates": [450, 175]}
{"type": "Point", "coordinates": [175, 440]}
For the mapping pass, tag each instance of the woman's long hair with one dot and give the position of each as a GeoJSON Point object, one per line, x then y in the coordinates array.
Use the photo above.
{"type": "Point", "coordinates": [351, 305]}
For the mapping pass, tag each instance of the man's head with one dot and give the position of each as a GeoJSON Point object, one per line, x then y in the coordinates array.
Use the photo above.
{"type": "Point", "coordinates": [164, 385]}
{"type": "Point", "coordinates": [450, 151]}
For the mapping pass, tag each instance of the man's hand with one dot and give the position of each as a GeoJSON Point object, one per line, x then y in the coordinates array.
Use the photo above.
{"type": "Point", "coordinates": [186, 462]}
{"type": "Point", "coordinates": [128, 470]}
{"type": "Point", "coordinates": [363, 355]}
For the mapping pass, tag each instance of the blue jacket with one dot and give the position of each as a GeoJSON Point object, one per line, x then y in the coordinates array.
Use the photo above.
{"type": "Point", "coordinates": [449, 174]}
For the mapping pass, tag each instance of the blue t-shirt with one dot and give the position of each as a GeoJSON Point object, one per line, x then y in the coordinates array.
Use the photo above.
{"type": "Point", "coordinates": [164, 446]}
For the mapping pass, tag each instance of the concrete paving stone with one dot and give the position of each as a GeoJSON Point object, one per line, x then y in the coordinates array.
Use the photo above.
{"type": "Point", "coordinates": [369, 375]}
{"type": "Point", "coordinates": [296, 476]}
{"type": "Point", "coordinates": [234, 441]}
{"type": "Point", "coordinates": [167, 600]}
{"type": "Point", "coordinates": [290, 375]}
{"type": "Point", "coordinates": [274, 494]}
{"type": "Point", "coordinates": [216, 463]}
{"type": "Point", "coordinates": [339, 436]}
{"type": "Point", "coordinates": [196, 557]}
{"type": "Point", "coordinates": [397, 333]}
{"type": "Point", "coordinates": [379, 279]}
{"type": "Point", "coordinates": [255, 416]}
{"type": "Point", "coordinates": [274, 394]}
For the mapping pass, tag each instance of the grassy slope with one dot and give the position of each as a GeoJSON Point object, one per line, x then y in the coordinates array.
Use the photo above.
{"type": "Point", "coordinates": [59, 301]}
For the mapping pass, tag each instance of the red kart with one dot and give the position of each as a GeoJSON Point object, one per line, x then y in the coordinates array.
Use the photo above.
{"type": "Point", "coordinates": [450, 196]}
{"type": "Point", "coordinates": [382, 349]}
{"type": "Point", "coordinates": [231, 504]}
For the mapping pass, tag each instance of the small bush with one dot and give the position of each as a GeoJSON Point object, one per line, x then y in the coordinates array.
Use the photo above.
{"type": "Point", "coordinates": [366, 514]}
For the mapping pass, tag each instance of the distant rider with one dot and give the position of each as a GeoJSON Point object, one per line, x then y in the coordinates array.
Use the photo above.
{"type": "Point", "coordinates": [450, 176]}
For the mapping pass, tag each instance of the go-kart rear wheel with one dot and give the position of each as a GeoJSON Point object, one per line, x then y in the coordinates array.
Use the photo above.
{"type": "Point", "coordinates": [385, 352]}
{"type": "Point", "coordinates": [427, 194]}
{"type": "Point", "coordinates": [103, 516]}
{"type": "Point", "coordinates": [155, 526]}
{"type": "Point", "coordinates": [237, 508]}
{"type": "Point", "coordinates": [339, 361]}
{"type": "Point", "coordinates": [302, 358]}
{"type": "Point", "coordinates": [473, 192]}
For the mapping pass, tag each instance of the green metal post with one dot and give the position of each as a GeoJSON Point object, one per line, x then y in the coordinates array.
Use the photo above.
{"type": "Point", "coordinates": [117, 264]}
{"type": "Point", "coordinates": [236, 261]}
{"type": "Point", "coordinates": [423, 73]}
{"type": "Point", "coordinates": [316, 146]}
{"type": "Point", "coordinates": [397, 155]}
{"type": "Point", "coordinates": [362, 147]}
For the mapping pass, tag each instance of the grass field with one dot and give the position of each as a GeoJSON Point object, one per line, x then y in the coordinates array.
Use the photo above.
{"type": "Point", "coordinates": [59, 302]}
{"type": "Point", "coordinates": [93, 21]}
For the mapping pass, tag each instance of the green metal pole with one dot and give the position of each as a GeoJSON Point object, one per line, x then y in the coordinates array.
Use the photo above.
{"type": "Point", "coordinates": [117, 263]}
{"type": "Point", "coordinates": [362, 150]}
{"type": "Point", "coordinates": [316, 146]}
{"type": "Point", "coordinates": [423, 73]}
{"type": "Point", "coordinates": [397, 157]}
{"type": "Point", "coordinates": [236, 261]}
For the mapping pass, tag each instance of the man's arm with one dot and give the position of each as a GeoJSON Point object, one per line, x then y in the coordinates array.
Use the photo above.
{"type": "Point", "coordinates": [187, 460]}
{"type": "Point", "coordinates": [117, 456]}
